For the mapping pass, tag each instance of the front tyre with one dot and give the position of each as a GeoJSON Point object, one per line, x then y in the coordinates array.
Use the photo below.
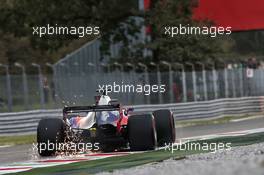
{"type": "Point", "coordinates": [165, 127]}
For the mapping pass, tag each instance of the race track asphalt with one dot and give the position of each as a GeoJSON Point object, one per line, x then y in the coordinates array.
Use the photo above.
{"type": "Point", "coordinates": [20, 153]}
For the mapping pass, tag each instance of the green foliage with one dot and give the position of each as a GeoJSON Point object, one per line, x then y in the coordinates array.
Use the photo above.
{"type": "Point", "coordinates": [116, 19]}
{"type": "Point", "coordinates": [180, 48]}
{"type": "Point", "coordinates": [17, 17]}
{"type": "Point", "coordinates": [25, 14]}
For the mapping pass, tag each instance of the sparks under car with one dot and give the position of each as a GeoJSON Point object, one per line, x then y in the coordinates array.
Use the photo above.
{"type": "Point", "coordinates": [108, 124]}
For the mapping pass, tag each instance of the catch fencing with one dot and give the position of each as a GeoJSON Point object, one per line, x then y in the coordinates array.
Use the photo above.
{"type": "Point", "coordinates": [77, 86]}
{"type": "Point", "coordinates": [22, 123]}
{"type": "Point", "coordinates": [76, 77]}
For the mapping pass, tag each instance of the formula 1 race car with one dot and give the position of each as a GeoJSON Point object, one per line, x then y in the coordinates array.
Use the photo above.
{"type": "Point", "coordinates": [107, 126]}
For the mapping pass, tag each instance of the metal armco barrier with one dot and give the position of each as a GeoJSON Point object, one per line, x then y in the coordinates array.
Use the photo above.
{"type": "Point", "coordinates": [209, 109]}
{"type": "Point", "coordinates": [26, 122]}
{"type": "Point", "coordinates": [21, 123]}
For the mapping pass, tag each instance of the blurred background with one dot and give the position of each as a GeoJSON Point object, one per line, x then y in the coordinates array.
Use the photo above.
{"type": "Point", "coordinates": [57, 70]}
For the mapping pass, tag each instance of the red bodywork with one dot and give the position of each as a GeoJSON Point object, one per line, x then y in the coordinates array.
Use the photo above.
{"type": "Point", "coordinates": [122, 120]}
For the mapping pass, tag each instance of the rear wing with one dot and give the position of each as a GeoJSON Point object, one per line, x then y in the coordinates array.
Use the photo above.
{"type": "Point", "coordinates": [95, 108]}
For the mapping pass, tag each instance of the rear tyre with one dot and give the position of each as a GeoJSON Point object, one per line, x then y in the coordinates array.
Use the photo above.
{"type": "Point", "coordinates": [50, 133]}
{"type": "Point", "coordinates": [142, 132]}
{"type": "Point", "coordinates": [165, 126]}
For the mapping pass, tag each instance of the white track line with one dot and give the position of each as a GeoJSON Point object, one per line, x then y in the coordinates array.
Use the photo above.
{"type": "Point", "coordinates": [226, 134]}
{"type": "Point", "coordinates": [5, 146]}
{"type": "Point", "coordinates": [59, 160]}
{"type": "Point", "coordinates": [247, 118]}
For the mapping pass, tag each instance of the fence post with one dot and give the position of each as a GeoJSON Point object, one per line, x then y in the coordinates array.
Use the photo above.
{"type": "Point", "coordinates": [170, 79]}
{"type": "Point", "coordinates": [214, 81]}
{"type": "Point", "coordinates": [63, 72]}
{"type": "Point", "coordinates": [9, 91]}
{"type": "Point", "coordinates": [241, 81]}
{"type": "Point", "coordinates": [204, 80]}
{"type": "Point", "coordinates": [194, 81]}
{"type": "Point", "coordinates": [261, 80]}
{"type": "Point", "coordinates": [146, 78]}
{"type": "Point", "coordinates": [226, 82]}
{"type": "Point", "coordinates": [8, 86]}
{"type": "Point", "coordinates": [76, 78]}
{"type": "Point", "coordinates": [41, 89]}
{"type": "Point", "coordinates": [121, 70]}
{"type": "Point", "coordinates": [25, 84]}
{"type": "Point", "coordinates": [53, 86]}
{"type": "Point", "coordinates": [158, 80]}
{"type": "Point", "coordinates": [184, 87]}
{"type": "Point", "coordinates": [132, 79]}
{"type": "Point", "coordinates": [233, 83]}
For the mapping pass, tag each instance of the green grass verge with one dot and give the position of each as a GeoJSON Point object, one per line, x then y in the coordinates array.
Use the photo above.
{"type": "Point", "coordinates": [113, 163]}
{"type": "Point", "coordinates": [17, 140]}
{"type": "Point", "coordinates": [220, 120]}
